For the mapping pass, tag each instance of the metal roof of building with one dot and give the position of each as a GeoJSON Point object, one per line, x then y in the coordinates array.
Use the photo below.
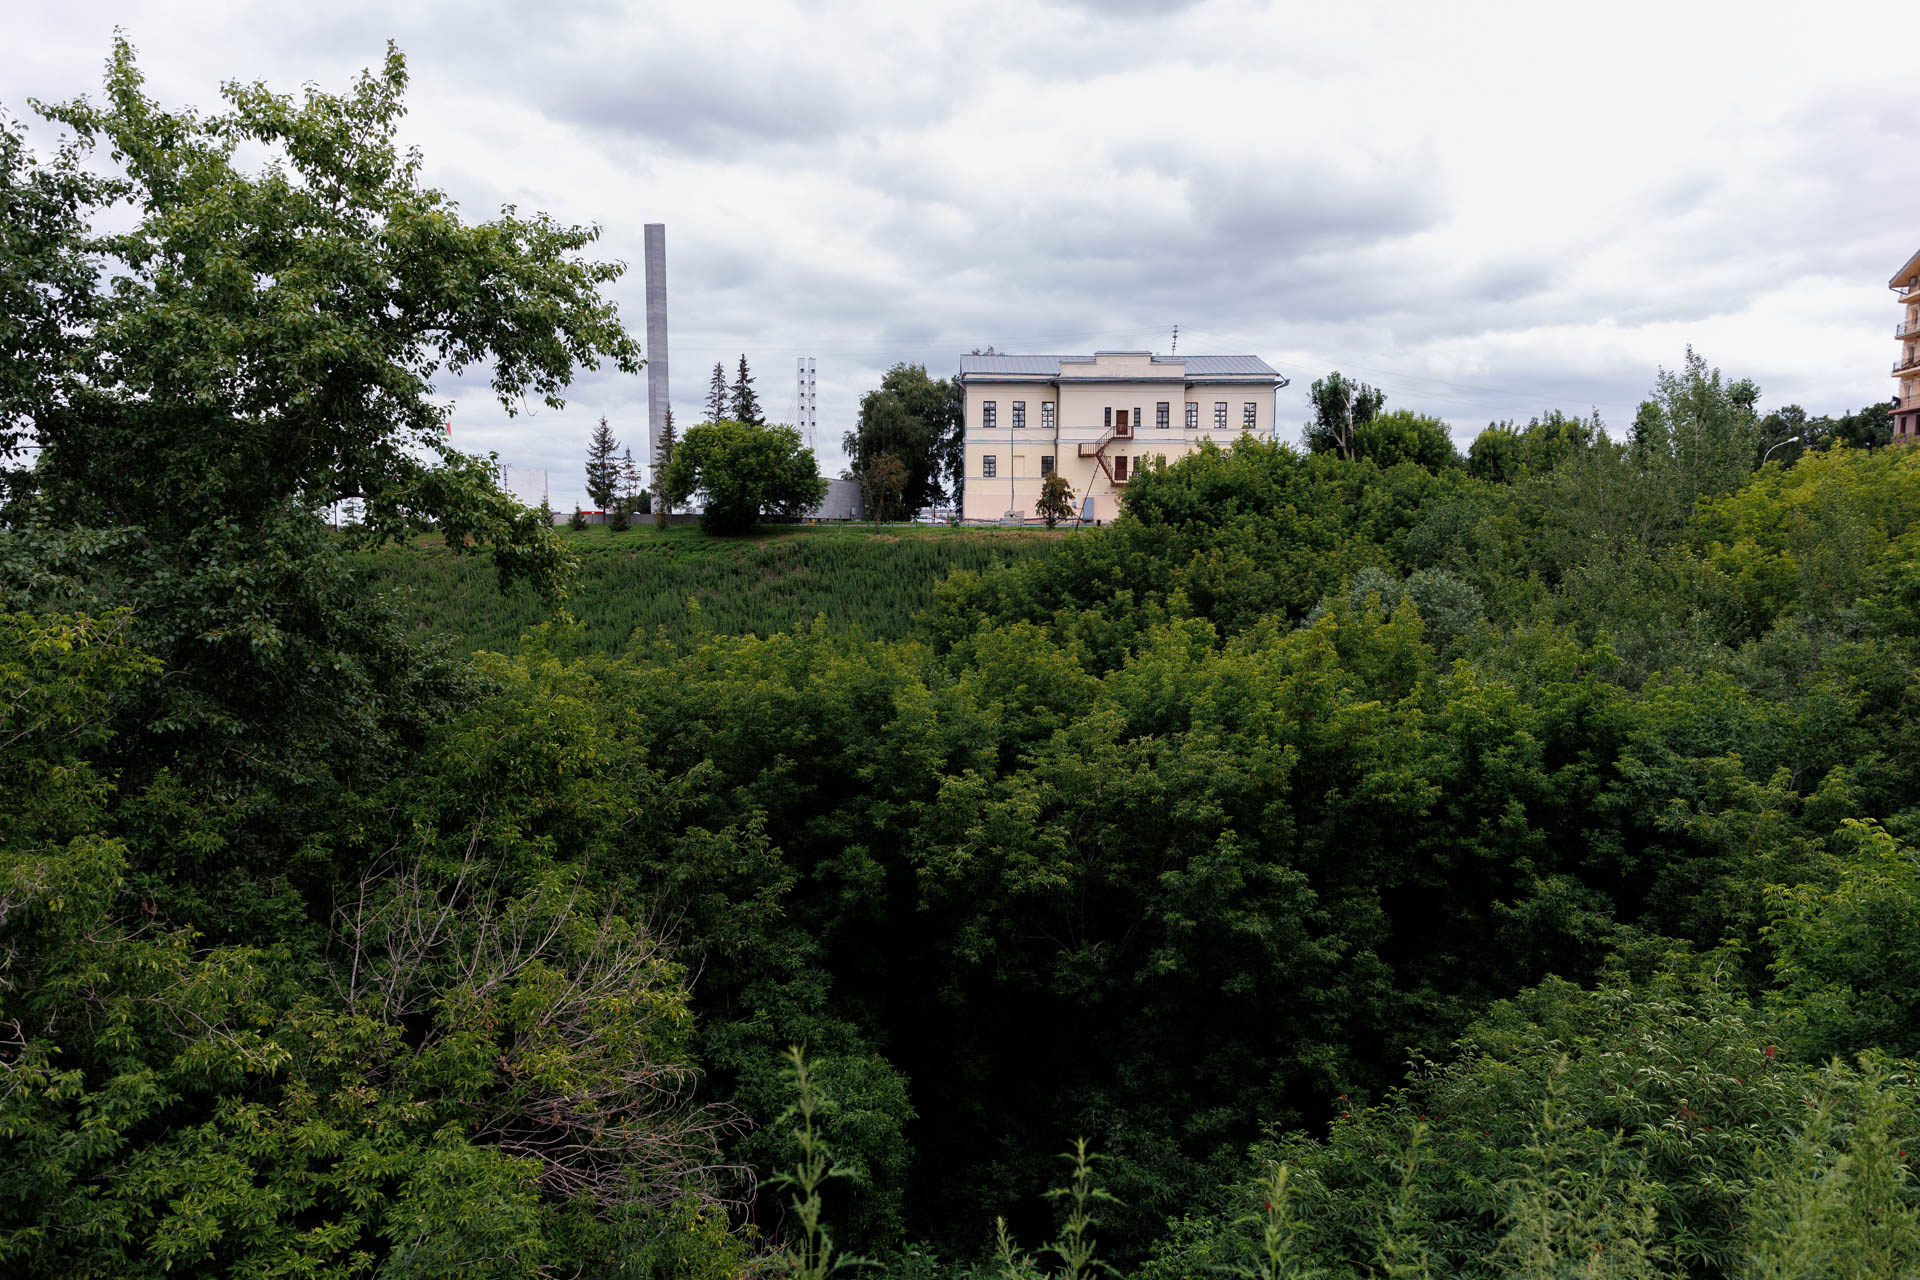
{"type": "Point", "coordinates": [1208, 365]}
{"type": "Point", "coordinates": [1049, 366]}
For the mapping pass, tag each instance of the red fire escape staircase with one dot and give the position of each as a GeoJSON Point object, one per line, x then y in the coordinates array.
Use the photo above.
{"type": "Point", "coordinates": [1098, 451]}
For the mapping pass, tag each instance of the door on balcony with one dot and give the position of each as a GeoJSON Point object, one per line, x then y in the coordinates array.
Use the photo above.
{"type": "Point", "coordinates": [1120, 427]}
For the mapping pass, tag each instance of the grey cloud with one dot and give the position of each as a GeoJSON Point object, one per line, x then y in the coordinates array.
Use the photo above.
{"type": "Point", "coordinates": [1129, 8]}
{"type": "Point", "coordinates": [701, 108]}
{"type": "Point", "coordinates": [1232, 238]}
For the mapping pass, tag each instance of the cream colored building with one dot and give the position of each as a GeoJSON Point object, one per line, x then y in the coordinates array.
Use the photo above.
{"type": "Point", "coordinates": [1906, 402]}
{"type": "Point", "coordinates": [1094, 419]}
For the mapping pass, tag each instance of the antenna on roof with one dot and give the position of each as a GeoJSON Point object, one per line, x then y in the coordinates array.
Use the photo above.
{"type": "Point", "coordinates": [1176, 341]}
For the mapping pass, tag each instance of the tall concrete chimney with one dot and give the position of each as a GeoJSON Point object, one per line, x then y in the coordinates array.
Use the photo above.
{"type": "Point", "coordinates": [657, 401]}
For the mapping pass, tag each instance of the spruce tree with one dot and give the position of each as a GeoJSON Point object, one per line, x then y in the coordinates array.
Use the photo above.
{"type": "Point", "coordinates": [661, 507]}
{"type": "Point", "coordinates": [716, 398]}
{"type": "Point", "coordinates": [746, 405]}
{"type": "Point", "coordinates": [629, 484]}
{"type": "Point", "coordinates": [603, 471]}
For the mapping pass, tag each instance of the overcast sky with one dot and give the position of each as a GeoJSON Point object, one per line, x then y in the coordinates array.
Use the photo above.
{"type": "Point", "coordinates": [1485, 210]}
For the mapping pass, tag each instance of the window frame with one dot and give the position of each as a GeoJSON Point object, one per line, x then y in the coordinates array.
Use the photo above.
{"type": "Point", "coordinates": [1250, 414]}
{"type": "Point", "coordinates": [989, 466]}
{"type": "Point", "coordinates": [1219, 415]}
{"type": "Point", "coordinates": [1046, 465]}
{"type": "Point", "coordinates": [1019, 415]}
{"type": "Point", "coordinates": [1046, 415]}
{"type": "Point", "coordinates": [1163, 415]}
{"type": "Point", "coordinates": [1193, 415]}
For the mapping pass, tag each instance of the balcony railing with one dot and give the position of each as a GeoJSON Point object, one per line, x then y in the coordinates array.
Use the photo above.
{"type": "Point", "coordinates": [1905, 363]}
{"type": "Point", "coordinates": [1907, 329]}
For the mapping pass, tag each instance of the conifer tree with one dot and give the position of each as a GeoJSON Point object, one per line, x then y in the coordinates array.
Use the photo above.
{"type": "Point", "coordinates": [716, 400]}
{"type": "Point", "coordinates": [603, 471]}
{"type": "Point", "coordinates": [630, 485]}
{"type": "Point", "coordinates": [746, 405]}
{"type": "Point", "coordinates": [661, 507]}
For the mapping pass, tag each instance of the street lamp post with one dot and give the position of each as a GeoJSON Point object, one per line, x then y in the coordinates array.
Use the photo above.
{"type": "Point", "coordinates": [1769, 453]}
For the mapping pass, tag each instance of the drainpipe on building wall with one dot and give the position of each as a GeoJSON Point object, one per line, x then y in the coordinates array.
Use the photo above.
{"type": "Point", "coordinates": [1059, 409]}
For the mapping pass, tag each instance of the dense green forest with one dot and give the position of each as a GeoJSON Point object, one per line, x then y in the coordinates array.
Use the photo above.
{"type": "Point", "coordinates": [1370, 862]}
{"type": "Point", "coordinates": [678, 585]}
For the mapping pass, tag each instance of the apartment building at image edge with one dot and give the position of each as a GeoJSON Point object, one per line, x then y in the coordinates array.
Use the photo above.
{"type": "Point", "coordinates": [1906, 366]}
{"type": "Point", "coordinates": [1093, 419]}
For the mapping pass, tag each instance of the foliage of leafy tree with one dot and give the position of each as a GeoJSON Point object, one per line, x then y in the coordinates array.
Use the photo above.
{"type": "Point", "coordinates": [492, 1076]}
{"type": "Point", "coordinates": [1056, 500]}
{"type": "Point", "coordinates": [603, 466]}
{"type": "Point", "coordinates": [1405, 436]}
{"type": "Point", "coordinates": [742, 404]}
{"type": "Point", "coordinates": [883, 486]}
{"type": "Point", "coordinates": [1340, 406]}
{"type": "Point", "coordinates": [1698, 436]}
{"type": "Point", "coordinates": [1848, 967]}
{"type": "Point", "coordinates": [47, 295]}
{"type": "Point", "coordinates": [915, 419]}
{"type": "Point", "coordinates": [1652, 1127]}
{"type": "Point", "coordinates": [1501, 451]}
{"type": "Point", "coordinates": [1869, 428]}
{"type": "Point", "coordinates": [744, 472]}
{"type": "Point", "coordinates": [315, 994]}
{"type": "Point", "coordinates": [257, 346]}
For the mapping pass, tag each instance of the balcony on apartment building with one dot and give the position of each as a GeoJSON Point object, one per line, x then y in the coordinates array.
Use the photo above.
{"type": "Point", "coordinates": [1906, 362]}
{"type": "Point", "coordinates": [1907, 329]}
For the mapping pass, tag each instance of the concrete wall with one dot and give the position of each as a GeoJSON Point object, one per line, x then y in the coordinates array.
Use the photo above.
{"type": "Point", "coordinates": [658, 398]}
{"type": "Point", "coordinates": [841, 503]}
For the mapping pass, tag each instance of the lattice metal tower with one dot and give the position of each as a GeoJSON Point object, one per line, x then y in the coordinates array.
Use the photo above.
{"type": "Point", "coordinates": [803, 392]}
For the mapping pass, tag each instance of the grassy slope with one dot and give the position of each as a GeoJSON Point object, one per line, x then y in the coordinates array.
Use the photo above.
{"type": "Point", "coordinates": [647, 578]}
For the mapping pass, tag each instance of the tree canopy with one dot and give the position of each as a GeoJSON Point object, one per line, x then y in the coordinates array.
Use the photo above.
{"type": "Point", "coordinates": [744, 472]}
{"type": "Point", "coordinates": [1340, 406]}
{"type": "Point", "coordinates": [914, 419]}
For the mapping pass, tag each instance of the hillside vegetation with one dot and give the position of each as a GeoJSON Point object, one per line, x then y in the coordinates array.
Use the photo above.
{"type": "Point", "coordinates": [681, 584]}
{"type": "Point", "coordinates": [1356, 864]}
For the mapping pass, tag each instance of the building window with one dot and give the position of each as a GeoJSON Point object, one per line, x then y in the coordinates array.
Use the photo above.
{"type": "Point", "coordinates": [1046, 415]}
{"type": "Point", "coordinates": [1249, 414]}
{"type": "Point", "coordinates": [1220, 415]}
{"type": "Point", "coordinates": [1109, 421]}
{"type": "Point", "coordinates": [1020, 413]}
{"type": "Point", "coordinates": [1193, 415]}
{"type": "Point", "coordinates": [1046, 465]}
{"type": "Point", "coordinates": [989, 466]}
{"type": "Point", "coordinates": [989, 412]}
{"type": "Point", "coordinates": [1163, 415]}
{"type": "Point", "coordinates": [1120, 468]}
